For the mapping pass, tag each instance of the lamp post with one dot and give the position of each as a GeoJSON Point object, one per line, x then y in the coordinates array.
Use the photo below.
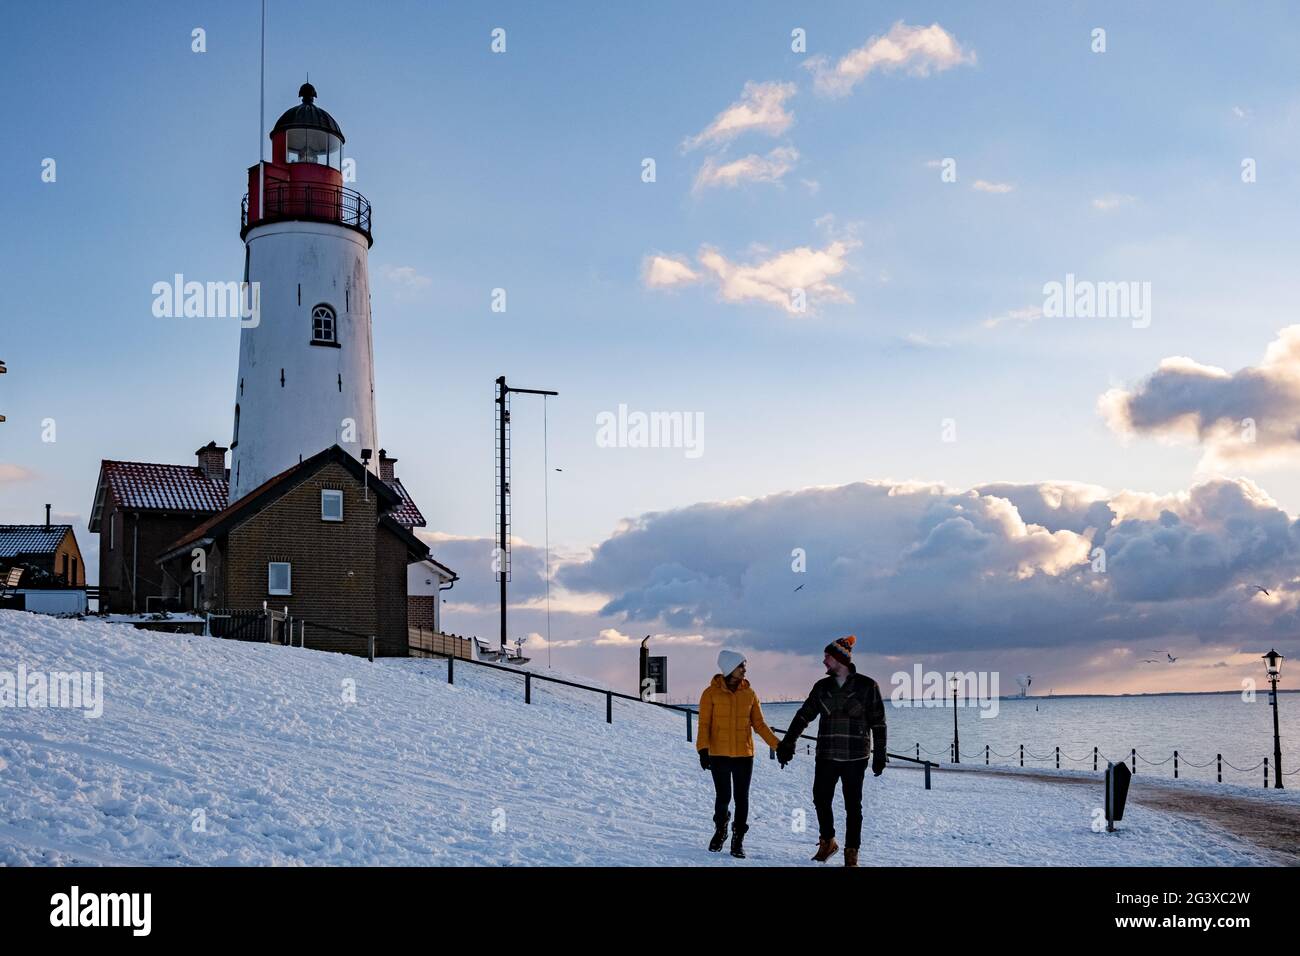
{"type": "Point", "coordinates": [956, 741]}
{"type": "Point", "coordinates": [1274, 664]}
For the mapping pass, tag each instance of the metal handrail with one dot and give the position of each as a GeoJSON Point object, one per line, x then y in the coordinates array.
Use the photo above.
{"type": "Point", "coordinates": [313, 202]}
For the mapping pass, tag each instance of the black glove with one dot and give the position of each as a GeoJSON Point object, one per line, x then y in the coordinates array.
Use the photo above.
{"type": "Point", "coordinates": [785, 752]}
{"type": "Point", "coordinates": [704, 759]}
{"type": "Point", "coordinates": [878, 755]}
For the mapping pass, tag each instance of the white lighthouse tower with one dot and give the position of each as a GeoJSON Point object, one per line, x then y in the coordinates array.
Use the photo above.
{"type": "Point", "coordinates": [306, 369]}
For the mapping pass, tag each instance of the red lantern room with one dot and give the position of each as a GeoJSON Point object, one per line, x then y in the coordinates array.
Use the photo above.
{"type": "Point", "coordinates": [304, 179]}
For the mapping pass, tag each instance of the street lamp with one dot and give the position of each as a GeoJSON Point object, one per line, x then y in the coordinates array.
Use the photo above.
{"type": "Point", "coordinates": [1274, 660]}
{"type": "Point", "coordinates": [956, 742]}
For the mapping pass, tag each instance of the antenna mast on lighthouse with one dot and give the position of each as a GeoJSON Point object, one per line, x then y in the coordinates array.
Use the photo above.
{"type": "Point", "coordinates": [261, 126]}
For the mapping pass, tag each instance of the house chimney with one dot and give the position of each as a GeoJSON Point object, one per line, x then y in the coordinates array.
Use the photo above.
{"type": "Point", "coordinates": [386, 470]}
{"type": "Point", "coordinates": [212, 461]}
{"type": "Point", "coordinates": [47, 517]}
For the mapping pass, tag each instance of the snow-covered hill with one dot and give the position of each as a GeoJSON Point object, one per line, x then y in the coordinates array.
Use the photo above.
{"type": "Point", "coordinates": [261, 745]}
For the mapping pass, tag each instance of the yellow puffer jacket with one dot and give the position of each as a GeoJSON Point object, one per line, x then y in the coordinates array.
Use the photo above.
{"type": "Point", "coordinates": [728, 720]}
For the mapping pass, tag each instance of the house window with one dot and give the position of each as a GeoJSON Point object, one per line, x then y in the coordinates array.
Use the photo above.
{"type": "Point", "coordinates": [322, 326]}
{"type": "Point", "coordinates": [331, 505]}
{"type": "Point", "coordinates": [279, 577]}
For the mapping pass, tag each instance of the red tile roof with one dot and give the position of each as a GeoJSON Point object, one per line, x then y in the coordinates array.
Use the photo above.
{"type": "Point", "coordinates": [144, 486]}
{"type": "Point", "coordinates": [406, 514]}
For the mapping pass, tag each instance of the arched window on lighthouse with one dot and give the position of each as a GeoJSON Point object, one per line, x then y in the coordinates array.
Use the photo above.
{"type": "Point", "coordinates": [322, 326]}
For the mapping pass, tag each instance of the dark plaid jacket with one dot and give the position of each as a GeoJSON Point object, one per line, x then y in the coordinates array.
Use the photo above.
{"type": "Point", "coordinates": [850, 716]}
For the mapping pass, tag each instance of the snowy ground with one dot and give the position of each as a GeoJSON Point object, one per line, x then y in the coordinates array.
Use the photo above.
{"type": "Point", "coordinates": [284, 771]}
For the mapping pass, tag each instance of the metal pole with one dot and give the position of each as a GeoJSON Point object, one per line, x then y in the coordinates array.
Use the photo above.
{"type": "Point", "coordinates": [503, 490]}
{"type": "Point", "coordinates": [689, 715]}
{"type": "Point", "coordinates": [528, 688]}
{"type": "Point", "coordinates": [1058, 758]}
{"type": "Point", "coordinates": [1220, 762]}
{"type": "Point", "coordinates": [1135, 761]}
{"type": "Point", "coordinates": [1277, 741]}
{"type": "Point", "coordinates": [1022, 755]}
{"type": "Point", "coordinates": [1175, 764]}
{"type": "Point", "coordinates": [956, 741]}
{"type": "Point", "coordinates": [1094, 759]}
{"type": "Point", "coordinates": [1110, 797]}
{"type": "Point", "coordinates": [927, 775]}
{"type": "Point", "coordinates": [451, 669]}
{"type": "Point", "coordinates": [261, 128]}
{"type": "Point", "coordinates": [609, 707]}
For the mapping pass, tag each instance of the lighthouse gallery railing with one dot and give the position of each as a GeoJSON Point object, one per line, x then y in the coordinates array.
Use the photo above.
{"type": "Point", "coordinates": [317, 202]}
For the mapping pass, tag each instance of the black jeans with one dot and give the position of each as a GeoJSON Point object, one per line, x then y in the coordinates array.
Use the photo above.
{"type": "Point", "coordinates": [729, 772]}
{"type": "Point", "coordinates": [827, 774]}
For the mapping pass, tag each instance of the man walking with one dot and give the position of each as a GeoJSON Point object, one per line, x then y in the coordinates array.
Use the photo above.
{"type": "Point", "coordinates": [851, 731]}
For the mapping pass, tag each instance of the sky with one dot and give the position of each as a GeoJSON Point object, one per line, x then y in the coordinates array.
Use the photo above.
{"type": "Point", "coordinates": [826, 237]}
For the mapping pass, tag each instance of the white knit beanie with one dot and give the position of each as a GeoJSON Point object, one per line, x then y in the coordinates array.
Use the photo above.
{"type": "Point", "coordinates": [729, 660]}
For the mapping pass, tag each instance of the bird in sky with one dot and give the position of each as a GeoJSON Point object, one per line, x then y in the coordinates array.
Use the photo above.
{"type": "Point", "coordinates": [1171, 657]}
{"type": "Point", "coordinates": [1150, 660]}
{"type": "Point", "coordinates": [1262, 589]}
{"type": "Point", "coordinates": [799, 588]}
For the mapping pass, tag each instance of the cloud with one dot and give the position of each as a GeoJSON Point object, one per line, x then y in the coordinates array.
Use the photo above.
{"type": "Point", "coordinates": [536, 641]}
{"type": "Point", "coordinates": [665, 272]}
{"type": "Point", "coordinates": [772, 280]}
{"type": "Point", "coordinates": [752, 168]}
{"type": "Point", "coordinates": [917, 50]}
{"type": "Point", "coordinates": [471, 559]}
{"type": "Point", "coordinates": [406, 280]}
{"type": "Point", "coordinates": [761, 108]}
{"type": "Point", "coordinates": [922, 568]}
{"type": "Point", "coordinates": [1111, 202]}
{"type": "Point", "coordinates": [613, 637]}
{"type": "Point", "coordinates": [1023, 316]}
{"type": "Point", "coordinates": [15, 473]}
{"type": "Point", "coordinates": [984, 186]}
{"type": "Point", "coordinates": [1239, 418]}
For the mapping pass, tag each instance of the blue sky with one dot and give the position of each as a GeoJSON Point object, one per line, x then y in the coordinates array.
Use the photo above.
{"type": "Point", "coordinates": [522, 171]}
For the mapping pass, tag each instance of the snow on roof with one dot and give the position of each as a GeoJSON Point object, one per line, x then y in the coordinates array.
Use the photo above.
{"type": "Point", "coordinates": [406, 514]}
{"type": "Point", "coordinates": [20, 539]}
{"type": "Point", "coordinates": [146, 486]}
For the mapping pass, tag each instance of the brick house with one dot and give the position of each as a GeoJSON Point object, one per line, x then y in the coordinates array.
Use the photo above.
{"type": "Point", "coordinates": [48, 548]}
{"type": "Point", "coordinates": [323, 539]}
{"type": "Point", "coordinates": [140, 508]}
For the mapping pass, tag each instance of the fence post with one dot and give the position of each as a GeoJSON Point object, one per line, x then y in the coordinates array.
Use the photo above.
{"type": "Point", "coordinates": [1134, 758]}
{"type": "Point", "coordinates": [451, 670]}
{"type": "Point", "coordinates": [689, 715]}
{"type": "Point", "coordinates": [528, 688]}
{"type": "Point", "coordinates": [1058, 758]}
{"type": "Point", "coordinates": [918, 751]}
{"type": "Point", "coordinates": [1175, 764]}
{"type": "Point", "coordinates": [609, 707]}
{"type": "Point", "coordinates": [927, 775]}
{"type": "Point", "coordinates": [1094, 759]}
{"type": "Point", "coordinates": [1265, 773]}
{"type": "Point", "coordinates": [372, 648]}
{"type": "Point", "coordinates": [986, 755]}
{"type": "Point", "coordinates": [1022, 755]}
{"type": "Point", "coordinates": [1220, 760]}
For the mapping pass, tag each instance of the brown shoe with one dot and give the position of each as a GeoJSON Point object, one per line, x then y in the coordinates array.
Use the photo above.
{"type": "Point", "coordinates": [850, 856]}
{"type": "Point", "coordinates": [825, 850]}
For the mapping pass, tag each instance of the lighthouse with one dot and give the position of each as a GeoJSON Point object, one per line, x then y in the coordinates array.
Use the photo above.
{"type": "Point", "coordinates": [306, 366]}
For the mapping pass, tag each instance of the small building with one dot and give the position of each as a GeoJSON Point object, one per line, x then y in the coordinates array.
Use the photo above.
{"type": "Point", "coordinates": [41, 568]}
{"type": "Point", "coordinates": [140, 508]}
{"type": "Point", "coordinates": [425, 582]}
{"type": "Point", "coordinates": [322, 540]}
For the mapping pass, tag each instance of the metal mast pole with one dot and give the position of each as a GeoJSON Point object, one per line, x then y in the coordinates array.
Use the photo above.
{"type": "Point", "coordinates": [503, 487]}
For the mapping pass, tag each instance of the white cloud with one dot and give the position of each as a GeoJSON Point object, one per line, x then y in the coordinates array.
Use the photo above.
{"type": "Point", "coordinates": [918, 50]}
{"type": "Point", "coordinates": [752, 168]}
{"type": "Point", "coordinates": [774, 280]}
{"type": "Point", "coordinates": [1111, 202]}
{"type": "Point", "coordinates": [665, 272]}
{"type": "Point", "coordinates": [984, 186]}
{"type": "Point", "coordinates": [613, 637]}
{"type": "Point", "coordinates": [536, 641]}
{"type": "Point", "coordinates": [1023, 316]}
{"type": "Point", "coordinates": [406, 279]}
{"type": "Point", "coordinates": [761, 108]}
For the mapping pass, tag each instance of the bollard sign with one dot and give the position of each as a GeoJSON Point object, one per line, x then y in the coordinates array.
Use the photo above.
{"type": "Point", "coordinates": [1118, 777]}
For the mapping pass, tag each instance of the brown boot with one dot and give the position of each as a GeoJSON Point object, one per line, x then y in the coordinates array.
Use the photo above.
{"type": "Point", "coordinates": [825, 850]}
{"type": "Point", "coordinates": [850, 856]}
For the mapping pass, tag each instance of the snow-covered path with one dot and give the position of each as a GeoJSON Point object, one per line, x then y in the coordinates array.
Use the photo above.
{"type": "Point", "coordinates": [261, 743]}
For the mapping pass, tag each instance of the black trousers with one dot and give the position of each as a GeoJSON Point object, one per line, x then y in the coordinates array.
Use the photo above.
{"type": "Point", "coordinates": [826, 776]}
{"type": "Point", "coordinates": [731, 774]}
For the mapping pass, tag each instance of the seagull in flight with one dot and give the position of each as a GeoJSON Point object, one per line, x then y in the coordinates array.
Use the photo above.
{"type": "Point", "coordinates": [1261, 589]}
{"type": "Point", "coordinates": [799, 588]}
{"type": "Point", "coordinates": [1151, 660]}
{"type": "Point", "coordinates": [1171, 657]}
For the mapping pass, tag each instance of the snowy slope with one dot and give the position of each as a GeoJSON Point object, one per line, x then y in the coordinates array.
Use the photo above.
{"type": "Point", "coordinates": [261, 741]}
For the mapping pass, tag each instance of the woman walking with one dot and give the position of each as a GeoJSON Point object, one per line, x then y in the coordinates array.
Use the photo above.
{"type": "Point", "coordinates": [729, 717]}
